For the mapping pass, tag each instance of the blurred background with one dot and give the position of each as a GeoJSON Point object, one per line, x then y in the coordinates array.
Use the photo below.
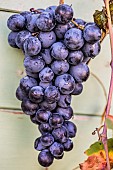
{"type": "Point", "coordinates": [16, 131]}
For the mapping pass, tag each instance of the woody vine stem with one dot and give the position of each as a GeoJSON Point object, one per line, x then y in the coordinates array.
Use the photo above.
{"type": "Point", "coordinates": [107, 112]}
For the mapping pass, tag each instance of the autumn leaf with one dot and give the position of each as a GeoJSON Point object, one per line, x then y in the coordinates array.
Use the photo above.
{"type": "Point", "coordinates": [96, 156]}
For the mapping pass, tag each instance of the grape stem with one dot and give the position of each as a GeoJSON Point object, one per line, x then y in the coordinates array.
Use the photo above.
{"type": "Point", "coordinates": [46, 168]}
{"type": "Point", "coordinates": [107, 111]}
{"type": "Point", "coordinates": [61, 2]}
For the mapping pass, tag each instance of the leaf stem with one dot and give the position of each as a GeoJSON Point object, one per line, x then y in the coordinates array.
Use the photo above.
{"type": "Point", "coordinates": [107, 112]}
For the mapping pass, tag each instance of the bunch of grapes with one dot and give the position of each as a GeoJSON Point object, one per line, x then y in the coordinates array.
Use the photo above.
{"type": "Point", "coordinates": [56, 54]}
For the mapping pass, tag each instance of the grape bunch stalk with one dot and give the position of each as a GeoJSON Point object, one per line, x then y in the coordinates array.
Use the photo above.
{"type": "Point", "coordinates": [56, 55]}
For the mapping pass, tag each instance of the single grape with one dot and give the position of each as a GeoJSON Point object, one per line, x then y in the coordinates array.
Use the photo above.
{"type": "Point", "coordinates": [91, 50]}
{"type": "Point", "coordinates": [60, 134]}
{"type": "Point", "coordinates": [36, 94]}
{"type": "Point", "coordinates": [92, 33]}
{"type": "Point", "coordinates": [47, 106]}
{"type": "Point", "coordinates": [51, 9]}
{"type": "Point", "coordinates": [32, 46]}
{"type": "Point", "coordinates": [78, 89]}
{"type": "Point", "coordinates": [65, 83]}
{"type": "Point", "coordinates": [63, 13]}
{"type": "Point", "coordinates": [46, 75]}
{"type": "Point", "coordinates": [24, 14]}
{"type": "Point", "coordinates": [45, 158]}
{"type": "Point", "coordinates": [60, 30]}
{"type": "Point", "coordinates": [56, 149]}
{"type": "Point", "coordinates": [28, 107]}
{"type": "Point", "coordinates": [31, 22]}
{"type": "Point", "coordinates": [45, 128]}
{"type": "Point", "coordinates": [45, 21]}
{"type": "Point", "coordinates": [26, 83]}
{"type": "Point", "coordinates": [38, 145]}
{"type": "Point", "coordinates": [80, 72]}
{"type": "Point", "coordinates": [42, 115]}
{"type": "Point", "coordinates": [73, 39]}
{"type": "Point", "coordinates": [71, 127]}
{"type": "Point", "coordinates": [56, 120]}
{"type": "Point", "coordinates": [31, 74]}
{"type": "Point", "coordinates": [68, 145]}
{"type": "Point", "coordinates": [45, 54]}
{"type": "Point", "coordinates": [67, 112]}
{"type": "Point", "coordinates": [80, 22]}
{"type": "Point", "coordinates": [11, 39]}
{"type": "Point", "coordinates": [60, 66]}
{"type": "Point", "coordinates": [44, 85]}
{"type": "Point", "coordinates": [51, 94]}
{"type": "Point", "coordinates": [47, 38]}
{"type": "Point", "coordinates": [21, 37]}
{"type": "Point", "coordinates": [34, 120]}
{"type": "Point", "coordinates": [65, 101]}
{"type": "Point", "coordinates": [34, 64]}
{"type": "Point", "coordinates": [59, 51]}
{"type": "Point", "coordinates": [75, 57]}
{"type": "Point", "coordinates": [16, 22]}
{"type": "Point", "coordinates": [20, 94]}
{"type": "Point", "coordinates": [47, 139]}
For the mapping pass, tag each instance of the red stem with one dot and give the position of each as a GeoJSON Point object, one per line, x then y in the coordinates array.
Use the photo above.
{"type": "Point", "coordinates": [104, 133]}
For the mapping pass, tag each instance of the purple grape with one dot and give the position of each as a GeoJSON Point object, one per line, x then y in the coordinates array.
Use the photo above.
{"type": "Point", "coordinates": [71, 127]}
{"type": "Point", "coordinates": [65, 101]}
{"type": "Point", "coordinates": [63, 13]}
{"type": "Point", "coordinates": [31, 22]}
{"type": "Point", "coordinates": [26, 83]}
{"type": "Point", "coordinates": [16, 22]}
{"type": "Point", "coordinates": [60, 30]}
{"type": "Point", "coordinates": [36, 94]}
{"type": "Point", "coordinates": [47, 139]}
{"type": "Point", "coordinates": [25, 14]}
{"type": "Point", "coordinates": [34, 120]}
{"type": "Point", "coordinates": [47, 106]}
{"type": "Point", "coordinates": [65, 83]}
{"type": "Point", "coordinates": [67, 113]}
{"type": "Point", "coordinates": [45, 158]}
{"type": "Point", "coordinates": [92, 33]}
{"type": "Point", "coordinates": [60, 134]}
{"type": "Point", "coordinates": [51, 94]}
{"type": "Point", "coordinates": [45, 21]}
{"type": "Point", "coordinates": [60, 67]}
{"type": "Point", "coordinates": [47, 38]}
{"type": "Point", "coordinates": [73, 39]}
{"type": "Point", "coordinates": [34, 64]}
{"type": "Point", "coordinates": [42, 115]}
{"type": "Point", "coordinates": [28, 107]}
{"type": "Point", "coordinates": [80, 72]}
{"type": "Point", "coordinates": [21, 37]}
{"type": "Point", "coordinates": [45, 128]}
{"type": "Point", "coordinates": [68, 145]}
{"type": "Point", "coordinates": [44, 85]}
{"type": "Point", "coordinates": [51, 9]}
{"type": "Point", "coordinates": [21, 94]}
{"type": "Point", "coordinates": [75, 57]}
{"type": "Point", "coordinates": [80, 22]}
{"type": "Point", "coordinates": [56, 149]}
{"type": "Point", "coordinates": [31, 74]}
{"type": "Point", "coordinates": [11, 39]}
{"type": "Point", "coordinates": [59, 51]}
{"type": "Point", "coordinates": [38, 145]}
{"type": "Point", "coordinates": [56, 120]}
{"type": "Point", "coordinates": [91, 50]}
{"type": "Point", "coordinates": [32, 46]}
{"type": "Point", "coordinates": [46, 75]}
{"type": "Point", "coordinates": [45, 54]}
{"type": "Point", "coordinates": [78, 89]}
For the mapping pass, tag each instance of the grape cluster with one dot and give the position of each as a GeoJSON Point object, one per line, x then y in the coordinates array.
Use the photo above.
{"type": "Point", "coordinates": [56, 55]}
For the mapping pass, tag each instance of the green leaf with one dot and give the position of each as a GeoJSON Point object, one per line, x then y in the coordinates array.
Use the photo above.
{"type": "Point", "coordinates": [98, 146]}
{"type": "Point", "coordinates": [109, 122]}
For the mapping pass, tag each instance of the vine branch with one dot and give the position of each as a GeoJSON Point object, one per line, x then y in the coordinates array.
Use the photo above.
{"type": "Point", "coordinates": [107, 111]}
